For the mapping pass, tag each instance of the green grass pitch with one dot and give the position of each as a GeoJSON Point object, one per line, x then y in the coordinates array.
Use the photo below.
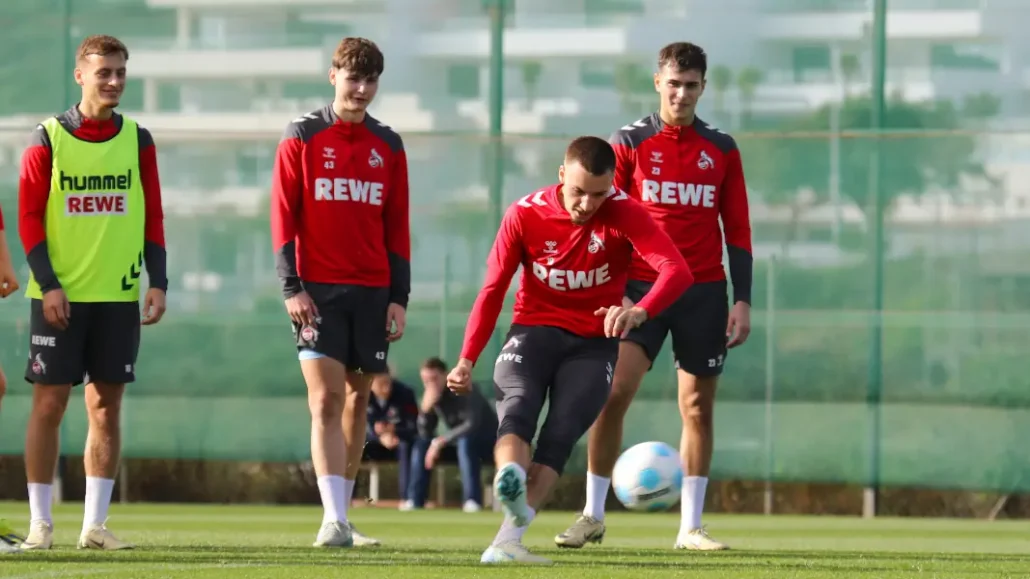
{"type": "Point", "coordinates": [198, 542]}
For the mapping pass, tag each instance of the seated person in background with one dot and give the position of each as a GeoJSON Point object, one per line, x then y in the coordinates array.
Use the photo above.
{"type": "Point", "coordinates": [392, 416]}
{"type": "Point", "coordinates": [472, 428]}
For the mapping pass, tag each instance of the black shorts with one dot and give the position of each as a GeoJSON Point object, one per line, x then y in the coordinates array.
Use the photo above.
{"type": "Point", "coordinates": [351, 326]}
{"type": "Point", "coordinates": [697, 322]}
{"type": "Point", "coordinates": [573, 373]}
{"type": "Point", "coordinates": [100, 344]}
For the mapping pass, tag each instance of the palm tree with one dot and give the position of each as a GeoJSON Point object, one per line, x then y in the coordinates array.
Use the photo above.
{"type": "Point", "coordinates": [531, 70]}
{"type": "Point", "coordinates": [721, 79]}
{"type": "Point", "coordinates": [850, 68]}
{"type": "Point", "coordinates": [747, 83]}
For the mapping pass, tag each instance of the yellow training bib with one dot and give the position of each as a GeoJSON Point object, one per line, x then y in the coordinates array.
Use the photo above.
{"type": "Point", "coordinates": [95, 216]}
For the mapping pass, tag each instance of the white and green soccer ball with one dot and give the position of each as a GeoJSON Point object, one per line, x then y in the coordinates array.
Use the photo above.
{"type": "Point", "coordinates": [648, 477]}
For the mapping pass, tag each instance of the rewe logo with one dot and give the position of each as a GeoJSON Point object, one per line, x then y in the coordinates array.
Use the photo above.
{"type": "Point", "coordinates": [95, 204]}
{"type": "Point", "coordinates": [48, 341]}
{"type": "Point", "coordinates": [567, 279]}
{"type": "Point", "coordinates": [671, 193]}
{"type": "Point", "coordinates": [348, 190]}
{"type": "Point", "coordinates": [510, 357]}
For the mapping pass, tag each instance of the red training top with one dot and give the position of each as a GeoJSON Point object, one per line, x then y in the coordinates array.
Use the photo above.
{"type": "Point", "coordinates": [687, 178]}
{"type": "Point", "coordinates": [34, 191]}
{"type": "Point", "coordinates": [1, 219]}
{"type": "Point", "coordinates": [340, 205]}
{"type": "Point", "coordinates": [575, 269]}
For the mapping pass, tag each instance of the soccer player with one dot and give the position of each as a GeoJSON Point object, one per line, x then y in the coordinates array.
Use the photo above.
{"type": "Point", "coordinates": [8, 285]}
{"type": "Point", "coordinates": [90, 217]}
{"type": "Point", "coordinates": [688, 175]}
{"type": "Point", "coordinates": [342, 242]}
{"type": "Point", "coordinates": [574, 241]}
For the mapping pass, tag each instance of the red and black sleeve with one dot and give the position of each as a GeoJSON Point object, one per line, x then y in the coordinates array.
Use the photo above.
{"type": "Point", "coordinates": [286, 199]}
{"type": "Point", "coordinates": [501, 265]}
{"type": "Point", "coordinates": [1, 219]}
{"type": "Point", "coordinates": [625, 159]}
{"type": "Point", "coordinates": [397, 227]}
{"type": "Point", "coordinates": [33, 193]}
{"type": "Point", "coordinates": [155, 256]}
{"type": "Point", "coordinates": [736, 224]}
{"type": "Point", "coordinates": [657, 249]}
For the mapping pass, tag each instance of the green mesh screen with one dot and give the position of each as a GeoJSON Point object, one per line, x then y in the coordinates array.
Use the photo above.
{"type": "Point", "coordinates": [218, 377]}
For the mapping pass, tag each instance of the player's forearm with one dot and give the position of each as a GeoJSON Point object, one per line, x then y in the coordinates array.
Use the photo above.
{"type": "Point", "coordinates": [741, 273]}
{"type": "Point", "coordinates": [674, 277]}
{"type": "Point", "coordinates": [481, 323]}
{"type": "Point", "coordinates": [156, 259]}
{"type": "Point", "coordinates": [42, 268]}
{"type": "Point", "coordinates": [5, 252]}
{"type": "Point", "coordinates": [400, 279]}
{"type": "Point", "coordinates": [286, 269]}
{"type": "Point", "coordinates": [33, 194]}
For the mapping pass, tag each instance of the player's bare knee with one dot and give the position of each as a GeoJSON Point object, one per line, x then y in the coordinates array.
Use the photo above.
{"type": "Point", "coordinates": [697, 398]}
{"type": "Point", "coordinates": [618, 401]}
{"type": "Point", "coordinates": [358, 389]}
{"type": "Point", "coordinates": [49, 404]}
{"type": "Point", "coordinates": [325, 405]}
{"type": "Point", "coordinates": [104, 402]}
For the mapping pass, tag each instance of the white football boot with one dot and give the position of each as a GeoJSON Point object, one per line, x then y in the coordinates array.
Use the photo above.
{"type": "Point", "coordinates": [698, 540]}
{"type": "Point", "coordinates": [511, 552]}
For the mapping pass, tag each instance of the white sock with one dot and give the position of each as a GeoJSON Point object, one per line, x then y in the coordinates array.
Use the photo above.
{"type": "Point", "coordinates": [692, 502]}
{"type": "Point", "coordinates": [98, 500]}
{"type": "Point", "coordinates": [509, 532]}
{"type": "Point", "coordinates": [332, 489]}
{"type": "Point", "coordinates": [40, 500]}
{"type": "Point", "coordinates": [597, 492]}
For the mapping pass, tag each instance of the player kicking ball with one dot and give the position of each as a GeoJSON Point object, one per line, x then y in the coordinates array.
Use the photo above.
{"type": "Point", "coordinates": [688, 176]}
{"type": "Point", "coordinates": [574, 241]}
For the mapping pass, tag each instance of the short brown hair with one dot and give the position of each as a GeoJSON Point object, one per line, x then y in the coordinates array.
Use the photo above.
{"type": "Point", "coordinates": [592, 153]}
{"type": "Point", "coordinates": [360, 56]}
{"type": "Point", "coordinates": [102, 45]}
{"type": "Point", "coordinates": [682, 56]}
{"type": "Point", "coordinates": [434, 363]}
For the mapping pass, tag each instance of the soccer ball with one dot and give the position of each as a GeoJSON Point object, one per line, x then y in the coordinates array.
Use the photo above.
{"type": "Point", "coordinates": [648, 477]}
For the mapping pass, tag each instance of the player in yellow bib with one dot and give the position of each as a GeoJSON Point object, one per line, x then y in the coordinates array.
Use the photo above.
{"type": "Point", "coordinates": [90, 220]}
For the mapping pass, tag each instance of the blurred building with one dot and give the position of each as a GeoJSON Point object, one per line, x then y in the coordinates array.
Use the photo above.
{"type": "Point", "coordinates": [216, 81]}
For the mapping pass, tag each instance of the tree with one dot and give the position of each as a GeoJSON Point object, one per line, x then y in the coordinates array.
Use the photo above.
{"type": "Point", "coordinates": [782, 168]}
{"type": "Point", "coordinates": [531, 71]}
{"type": "Point", "coordinates": [850, 67]}
{"type": "Point", "coordinates": [981, 106]}
{"type": "Point", "coordinates": [747, 83]}
{"type": "Point", "coordinates": [632, 81]}
{"type": "Point", "coordinates": [721, 78]}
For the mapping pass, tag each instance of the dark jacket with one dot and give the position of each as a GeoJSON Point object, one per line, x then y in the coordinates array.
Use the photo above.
{"type": "Point", "coordinates": [400, 410]}
{"type": "Point", "coordinates": [471, 414]}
